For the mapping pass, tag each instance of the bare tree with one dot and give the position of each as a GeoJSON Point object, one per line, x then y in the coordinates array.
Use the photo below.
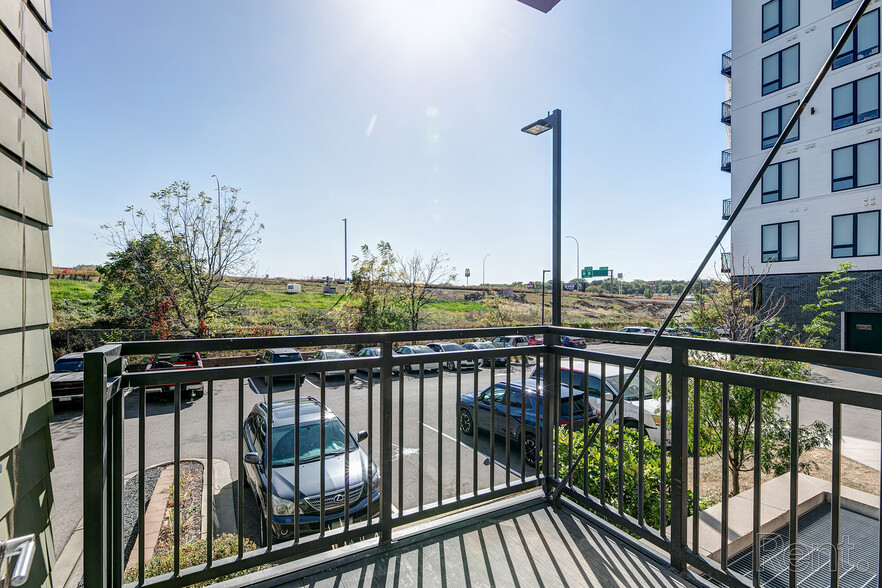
{"type": "Point", "coordinates": [212, 240]}
{"type": "Point", "coordinates": [417, 278]}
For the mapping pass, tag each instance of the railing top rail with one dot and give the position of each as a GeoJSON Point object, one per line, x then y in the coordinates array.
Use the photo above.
{"type": "Point", "coordinates": [851, 359]}
{"type": "Point", "coordinates": [247, 343]}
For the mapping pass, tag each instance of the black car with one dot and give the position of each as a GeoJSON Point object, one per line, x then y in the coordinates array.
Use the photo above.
{"type": "Point", "coordinates": [281, 355]}
{"type": "Point", "coordinates": [363, 478]}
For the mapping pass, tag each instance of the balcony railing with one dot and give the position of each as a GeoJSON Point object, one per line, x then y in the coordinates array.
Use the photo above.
{"type": "Point", "coordinates": [727, 209]}
{"type": "Point", "coordinates": [726, 68]}
{"type": "Point", "coordinates": [726, 262]}
{"type": "Point", "coordinates": [726, 112]}
{"type": "Point", "coordinates": [726, 161]}
{"type": "Point", "coordinates": [421, 432]}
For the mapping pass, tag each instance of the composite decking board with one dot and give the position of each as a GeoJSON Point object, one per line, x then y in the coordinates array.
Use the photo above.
{"type": "Point", "coordinates": [531, 547]}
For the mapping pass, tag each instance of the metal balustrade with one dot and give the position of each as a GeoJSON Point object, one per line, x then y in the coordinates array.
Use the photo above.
{"type": "Point", "coordinates": [453, 468]}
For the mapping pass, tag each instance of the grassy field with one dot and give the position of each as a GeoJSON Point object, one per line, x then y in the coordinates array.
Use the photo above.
{"type": "Point", "coordinates": [268, 305]}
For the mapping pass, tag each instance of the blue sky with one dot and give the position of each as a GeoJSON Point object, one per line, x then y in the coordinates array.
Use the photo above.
{"type": "Point", "coordinates": [403, 116]}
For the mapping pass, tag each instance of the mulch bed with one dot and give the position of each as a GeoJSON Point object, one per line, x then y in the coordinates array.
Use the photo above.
{"type": "Point", "coordinates": [191, 509]}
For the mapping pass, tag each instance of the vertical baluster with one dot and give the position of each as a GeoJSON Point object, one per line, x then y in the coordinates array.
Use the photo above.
{"type": "Point", "coordinates": [370, 452]}
{"type": "Point", "coordinates": [268, 450]}
{"type": "Point", "coordinates": [757, 481]}
{"type": "Point", "coordinates": [641, 428]}
{"type": "Point", "coordinates": [620, 405]}
{"type": "Point", "coordinates": [794, 486]}
{"type": "Point", "coordinates": [117, 482]}
{"type": "Point", "coordinates": [571, 406]}
{"type": "Point", "coordinates": [401, 373]}
{"type": "Point", "coordinates": [420, 445]}
{"type": "Point", "coordinates": [836, 500]}
{"type": "Point", "coordinates": [459, 428]}
{"type": "Point", "coordinates": [440, 428]}
{"type": "Point", "coordinates": [724, 522]}
{"type": "Point", "coordinates": [696, 455]}
{"type": "Point", "coordinates": [492, 426]}
{"type": "Point", "coordinates": [209, 473]}
{"type": "Point", "coordinates": [475, 392]}
{"type": "Point", "coordinates": [602, 434]}
{"type": "Point", "coordinates": [240, 481]}
{"type": "Point", "coordinates": [663, 483]}
{"type": "Point", "coordinates": [522, 427]}
{"type": "Point", "coordinates": [366, 486]}
{"type": "Point", "coordinates": [322, 441]}
{"type": "Point", "coordinates": [142, 464]}
{"type": "Point", "coordinates": [508, 422]}
{"type": "Point", "coordinates": [177, 481]}
{"type": "Point", "coordinates": [297, 384]}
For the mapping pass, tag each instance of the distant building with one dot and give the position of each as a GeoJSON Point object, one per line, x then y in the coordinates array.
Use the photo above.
{"type": "Point", "coordinates": [818, 205]}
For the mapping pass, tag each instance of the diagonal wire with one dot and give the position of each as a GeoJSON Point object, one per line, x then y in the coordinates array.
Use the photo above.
{"type": "Point", "coordinates": [619, 397]}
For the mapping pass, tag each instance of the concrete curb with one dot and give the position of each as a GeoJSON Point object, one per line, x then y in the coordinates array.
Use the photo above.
{"type": "Point", "coordinates": [68, 567]}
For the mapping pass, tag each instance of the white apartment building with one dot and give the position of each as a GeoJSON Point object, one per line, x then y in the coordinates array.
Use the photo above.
{"type": "Point", "coordinates": [819, 204]}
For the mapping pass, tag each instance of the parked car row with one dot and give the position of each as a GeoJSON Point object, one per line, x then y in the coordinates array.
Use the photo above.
{"type": "Point", "coordinates": [671, 331]}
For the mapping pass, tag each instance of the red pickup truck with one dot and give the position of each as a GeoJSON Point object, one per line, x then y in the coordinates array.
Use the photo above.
{"type": "Point", "coordinates": [176, 361]}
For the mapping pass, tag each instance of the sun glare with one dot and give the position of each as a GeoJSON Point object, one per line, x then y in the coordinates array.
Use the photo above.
{"type": "Point", "coordinates": [430, 27]}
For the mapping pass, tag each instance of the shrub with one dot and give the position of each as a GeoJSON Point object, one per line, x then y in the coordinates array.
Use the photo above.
{"type": "Point", "coordinates": [193, 554]}
{"type": "Point", "coordinates": [651, 472]}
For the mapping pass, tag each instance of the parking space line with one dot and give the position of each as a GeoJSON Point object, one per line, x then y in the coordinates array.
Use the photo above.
{"type": "Point", "coordinates": [475, 448]}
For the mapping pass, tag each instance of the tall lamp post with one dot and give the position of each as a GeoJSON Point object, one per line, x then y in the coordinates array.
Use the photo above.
{"type": "Point", "coordinates": [552, 121]}
{"type": "Point", "coordinates": [345, 256]}
{"type": "Point", "coordinates": [543, 294]}
{"type": "Point", "coordinates": [578, 265]}
{"type": "Point", "coordinates": [484, 270]}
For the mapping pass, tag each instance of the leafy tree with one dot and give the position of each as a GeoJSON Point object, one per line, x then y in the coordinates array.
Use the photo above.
{"type": "Point", "coordinates": [137, 282]}
{"type": "Point", "coordinates": [417, 279]}
{"type": "Point", "coordinates": [821, 323]}
{"type": "Point", "coordinates": [373, 291]}
{"type": "Point", "coordinates": [211, 240]}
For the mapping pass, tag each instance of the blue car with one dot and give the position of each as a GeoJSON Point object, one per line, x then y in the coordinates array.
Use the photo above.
{"type": "Point", "coordinates": [524, 401]}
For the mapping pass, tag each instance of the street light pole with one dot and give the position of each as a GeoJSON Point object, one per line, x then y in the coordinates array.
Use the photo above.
{"type": "Point", "coordinates": [484, 270]}
{"type": "Point", "coordinates": [543, 294]}
{"type": "Point", "coordinates": [578, 265]}
{"type": "Point", "coordinates": [553, 122]}
{"type": "Point", "coordinates": [345, 256]}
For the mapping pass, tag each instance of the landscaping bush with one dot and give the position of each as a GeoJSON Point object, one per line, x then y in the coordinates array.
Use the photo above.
{"type": "Point", "coordinates": [651, 472]}
{"type": "Point", "coordinates": [193, 554]}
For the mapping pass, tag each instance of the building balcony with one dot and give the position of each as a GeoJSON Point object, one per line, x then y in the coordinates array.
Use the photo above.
{"type": "Point", "coordinates": [726, 262]}
{"type": "Point", "coordinates": [726, 67]}
{"type": "Point", "coordinates": [424, 473]}
{"type": "Point", "coordinates": [727, 209]}
{"type": "Point", "coordinates": [726, 113]}
{"type": "Point", "coordinates": [726, 161]}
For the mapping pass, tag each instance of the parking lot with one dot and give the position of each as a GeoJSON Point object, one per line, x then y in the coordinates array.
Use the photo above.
{"type": "Point", "coordinates": [426, 471]}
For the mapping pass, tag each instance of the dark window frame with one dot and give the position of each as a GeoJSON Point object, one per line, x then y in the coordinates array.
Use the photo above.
{"type": "Point", "coordinates": [854, 170]}
{"type": "Point", "coordinates": [778, 165]}
{"type": "Point", "coordinates": [854, 235]}
{"type": "Point", "coordinates": [781, 125]}
{"type": "Point", "coordinates": [780, 56]}
{"type": "Point", "coordinates": [777, 252]}
{"type": "Point", "coordinates": [778, 26]}
{"type": "Point", "coordinates": [840, 60]}
{"type": "Point", "coordinates": [854, 114]}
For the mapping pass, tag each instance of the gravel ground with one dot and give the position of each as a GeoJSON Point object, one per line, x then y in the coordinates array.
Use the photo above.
{"type": "Point", "coordinates": [130, 506]}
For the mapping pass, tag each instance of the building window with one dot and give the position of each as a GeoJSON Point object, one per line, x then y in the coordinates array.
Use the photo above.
{"type": "Point", "coordinates": [856, 102]}
{"type": "Point", "coordinates": [856, 235]}
{"type": "Point", "coordinates": [781, 69]}
{"type": "Point", "coordinates": [862, 43]}
{"type": "Point", "coordinates": [838, 3]}
{"type": "Point", "coordinates": [781, 241]}
{"type": "Point", "coordinates": [775, 120]}
{"type": "Point", "coordinates": [856, 165]}
{"type": "Point", "coordinates": [781, 181]}
{"type": "Point", "coordinates": [779, 16]}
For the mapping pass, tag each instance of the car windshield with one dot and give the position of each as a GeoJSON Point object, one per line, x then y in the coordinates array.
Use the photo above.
{"type": "Point", "coordinates": [421, 349]}
{"type": "Point", "coordinates": [69, 365]}
{"type": "Point", "coordinates": [176, 357]}
{"type": "Point", "coordinates": [633, 391]}
{"type": "Point", "coordinates": [336, 354]}
{"type": "Point", "coordinates": [578, 402]}
{"type": "Point", "coordinates": [309, 438]}
{"type": "Point", "coordinates": [282, 357]}
{"type": "Point", "coordinates": [452, 347]}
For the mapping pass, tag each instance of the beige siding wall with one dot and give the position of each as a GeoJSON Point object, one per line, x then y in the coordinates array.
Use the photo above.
{"type": "Point", "coordinates": [25, 265]}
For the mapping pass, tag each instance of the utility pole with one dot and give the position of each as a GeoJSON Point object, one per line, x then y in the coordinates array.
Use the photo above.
{"type": "Point", "coordinates": [345, 256]}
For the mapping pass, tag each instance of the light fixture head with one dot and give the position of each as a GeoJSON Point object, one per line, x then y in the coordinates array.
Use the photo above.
{"type": "Point", "coordinates": [538, 127]}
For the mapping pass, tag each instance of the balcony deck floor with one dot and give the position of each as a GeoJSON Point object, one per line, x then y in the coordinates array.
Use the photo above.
{"type": "Point", "coordinates": [532, 546]}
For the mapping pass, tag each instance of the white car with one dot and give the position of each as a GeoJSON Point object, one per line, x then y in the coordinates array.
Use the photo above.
{"type": "Point", "coordinates": [638, 330]}
{"type": "Point", "coordinates": [510, 341]}
{"type": "Point", "coordinates": [375, 352]}
{"type": "Point", "coordinates": [631, 414]}
{"type": "Point", "coordinates": [412, 350]}
{"type": "Point", "coordinates": [331, 354]}
{"type": "Point", "coordinates": [443, 346]}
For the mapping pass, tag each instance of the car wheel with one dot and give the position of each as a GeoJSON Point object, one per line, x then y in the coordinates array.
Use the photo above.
{"type": "Point", "coordinates": [451, 366]}
{"type": "Point", "coordinates": [530, 448]}
{"type": "Point", "coordinates": [466, 425]}
{"type": "Point", "coordinates": [634, 425]}
{"type": "Point", "coordinates": [408, 369]}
